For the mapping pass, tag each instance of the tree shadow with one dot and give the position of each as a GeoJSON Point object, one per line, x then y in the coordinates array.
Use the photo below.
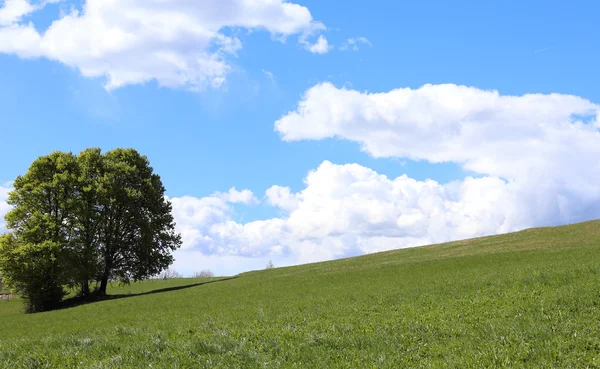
{"type": "Point", "coordinates": [76, 301]}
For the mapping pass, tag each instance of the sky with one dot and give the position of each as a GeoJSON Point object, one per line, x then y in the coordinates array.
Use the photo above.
{"type": "Point", "coordinates": [302, 131]}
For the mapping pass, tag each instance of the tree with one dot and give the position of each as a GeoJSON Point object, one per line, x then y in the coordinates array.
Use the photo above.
{"type": "Point", "coordinates": [270, 265]}
{"type": "Point", "coordinates": [89, 219]}
{"type": "Point", "coordinates": [80, 219]}
{"type": "Point", "coordinates": [137, 230]}
{"type": "Point", "coordinates": [35, 256]}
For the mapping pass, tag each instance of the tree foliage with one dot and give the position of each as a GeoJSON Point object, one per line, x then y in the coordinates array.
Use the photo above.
{"type": "Point", "coordinates": [82, 219]}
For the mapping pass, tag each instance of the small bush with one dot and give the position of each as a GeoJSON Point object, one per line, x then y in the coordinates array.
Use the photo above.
{"type": "Point", "coordinates": [33, 271]}
{"type": "Point", "coordinates": [205, 273]}
{"type": "Point", "coordinates": [170, 273]}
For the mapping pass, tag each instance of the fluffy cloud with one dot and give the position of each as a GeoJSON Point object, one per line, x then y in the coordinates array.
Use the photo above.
{"type": "Point", "coordinates": [319, 47]}
{"type": "Point", "coordinates": [536, 161]}
{"type": "Point", "coordinates": [178, 43]}
{"type": "Point", "coordinates": [14, 10]}
{"type": "Point", "coordinates": [512, 137]}
{"type": "Point", "coordinates": [282, 198]}
{"type": "Point", "coordinates": [347, 210]}
{"type": "Point", "coordinates": [245, 197]}
{"type": "Point", "coordinates": [545, 146]}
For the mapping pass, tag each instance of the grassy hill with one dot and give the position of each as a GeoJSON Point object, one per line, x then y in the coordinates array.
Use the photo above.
{"type": "Point", "coordinates": [527, 299]}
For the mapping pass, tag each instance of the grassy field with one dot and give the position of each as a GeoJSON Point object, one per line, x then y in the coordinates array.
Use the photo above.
{"type": "Point", "coordinates": [528, 299]}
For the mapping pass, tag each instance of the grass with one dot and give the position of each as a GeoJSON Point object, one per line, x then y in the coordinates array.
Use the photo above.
{"type": "Point", "coordinates": [524, 300]}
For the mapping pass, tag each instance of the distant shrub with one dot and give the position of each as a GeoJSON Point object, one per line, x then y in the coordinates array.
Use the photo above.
{"type": "Point", "coordinates": [205, 273]}
{"type": "Point", "coordinates": [170, 273]}
{"type": "Point", "coordinates": [270, 265]}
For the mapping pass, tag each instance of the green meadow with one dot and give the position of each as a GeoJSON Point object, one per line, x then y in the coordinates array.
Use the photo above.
{"type": "Point", "coordinates": [529, 299]}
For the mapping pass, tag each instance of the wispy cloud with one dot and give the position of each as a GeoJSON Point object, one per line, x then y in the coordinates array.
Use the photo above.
{"type": "Point", "coordinates": [269, 75]}
{"type": "Point", "coordinates": [352, 43]}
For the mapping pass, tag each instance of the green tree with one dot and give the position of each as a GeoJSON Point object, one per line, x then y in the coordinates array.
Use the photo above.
{"type": "Point", "coordinates": [89, 219]}
{"type": "Point", "coordinates": [35, 256]}
{"type": "Point", "coordinates": [137, 231]}
{"type": "Point", "coordinates": [83, 219]}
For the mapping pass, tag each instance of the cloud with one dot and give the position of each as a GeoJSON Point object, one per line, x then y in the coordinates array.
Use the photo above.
{"type": "Point", "coordinates": [352, 43]}
{"type": "Point", "coordinates": [534, 158]}
{"type": "Point", "coordinates": [544, 146]}
{"type": "Point", "coordinates": [245, 197]}
{"type": "Point", "coordinates": [282, 198]}
{"type": "Point", "coordinates": [14, 10]}
{"type": "Point", "coordinates": [270, 75]}
{"type": "Point", "coordinates": [189, 262]}
{"type": "Point", "coordinates": [319, 47]}
{"type": "Point", "coordinates": [512, 137]}
{"type": "Point", "coordinates": [178, 43]}
{"type": "Point", "coordinates": [347, 210]}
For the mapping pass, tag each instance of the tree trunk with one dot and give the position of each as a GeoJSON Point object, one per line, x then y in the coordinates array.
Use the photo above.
{"type": "Point", "coordinates": [85, 288]}
{"type": "Point", "coordinates": [103, 284]}
{"type": "Point", "coordinates": [107, 271]}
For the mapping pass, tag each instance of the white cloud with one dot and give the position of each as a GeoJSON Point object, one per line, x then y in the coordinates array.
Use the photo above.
{"type": "Point", "coordinates": [178, 43]}
{"type": "Point", "coordinates": [348, 210]}
{"type": "Point", "coordinates": [536, 157]}
{"type": "Point", "coordinates": [319, 47]}
{"type": "Point", "coordinates": [14, 10]}
{"type": "Point", "coordinates": [506, 136]}
{"type": "Point", "coordinates": [352, 43]}
{"type": "Point", "coordinates": [245, 197]}
{"type": "Point", "coordinates": [189, 262]}
{"type": "Point", "coordinates": [545, 145]}
{"type": "Point", "coordinates": [282, 198]}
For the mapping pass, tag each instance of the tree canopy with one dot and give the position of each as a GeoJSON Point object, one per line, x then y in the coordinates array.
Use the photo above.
{"type": "Point", "coordinates": [79, 220]}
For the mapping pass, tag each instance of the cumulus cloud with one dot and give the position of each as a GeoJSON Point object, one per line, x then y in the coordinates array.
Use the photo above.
{"type": "Point", "coordinates": [282, 198]}
{"type": "Point", "coordinates": [321, 46]}
{"type": "Point", "coordinates": [353, 43]}
{"type": "Point", "coordinates": [245, 197]}
{"type": "Point", "coordinates": [347, 210]}
{"type": "Point", "coordinates": [546, 146]}
{"type": "Point", "coordinates": [506, 136]}
{"type": "Point", "coordinates": [535, 161]}
{"type": "Point", "coordinates": [14, 10]}
{"type": "Point", "coordinates": [178, 43]}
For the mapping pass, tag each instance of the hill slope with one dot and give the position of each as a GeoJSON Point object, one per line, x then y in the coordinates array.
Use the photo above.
{"type": "Point", "coordinates": [527, 299]}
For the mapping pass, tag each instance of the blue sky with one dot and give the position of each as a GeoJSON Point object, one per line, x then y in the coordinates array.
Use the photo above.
{"type": "Point", "coordinates": [204, 138]}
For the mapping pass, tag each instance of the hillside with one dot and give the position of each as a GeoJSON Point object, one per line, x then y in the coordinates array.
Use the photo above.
{"type": "Point", "coordinates": [526, 299]}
